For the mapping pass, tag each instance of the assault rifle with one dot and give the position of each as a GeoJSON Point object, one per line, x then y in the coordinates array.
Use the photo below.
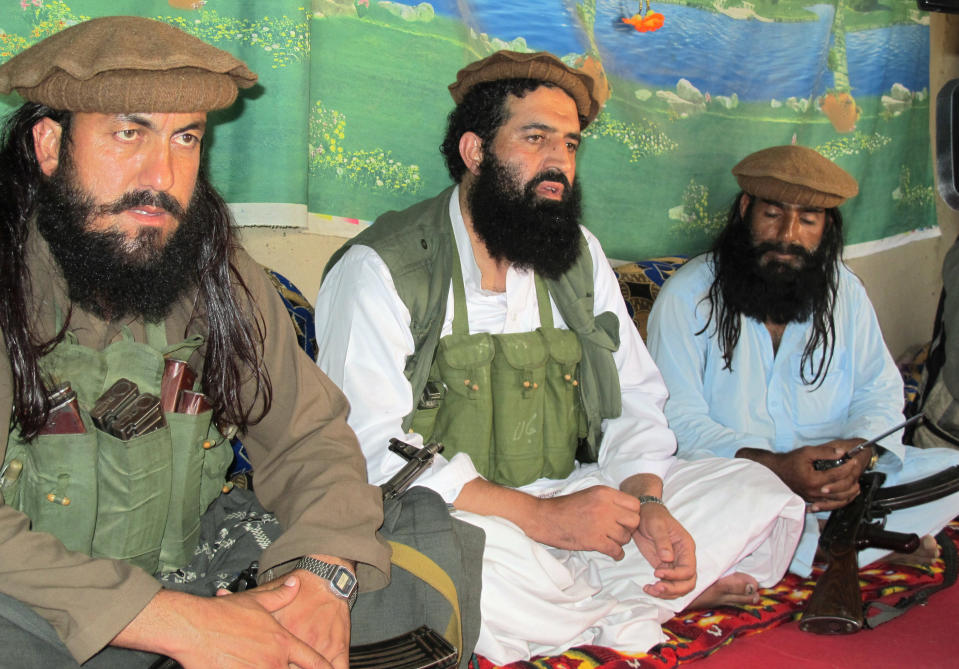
{"type": "Point", "coordinates": [835, 606]}
{"type": "Point", "coordinates": [417, 459]}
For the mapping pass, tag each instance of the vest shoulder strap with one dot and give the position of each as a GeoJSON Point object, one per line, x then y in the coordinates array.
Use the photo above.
{"type": "Point", "coordinates": [600, 389]}
{"type": "Point", "coordinates": [415, 245]}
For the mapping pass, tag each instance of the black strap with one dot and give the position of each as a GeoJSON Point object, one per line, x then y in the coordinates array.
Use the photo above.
{"type": "Point", "coordinates": [884, 612]}
{"type": "Point", "coordinates": [935, 359]}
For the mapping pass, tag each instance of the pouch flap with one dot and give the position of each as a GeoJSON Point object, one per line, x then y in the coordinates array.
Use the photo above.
{"type": "Point", "coordinates": [522, 350]}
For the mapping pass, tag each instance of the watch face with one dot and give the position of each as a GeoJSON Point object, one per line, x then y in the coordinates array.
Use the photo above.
{"type": "Point", "coordinates": [343, 581]}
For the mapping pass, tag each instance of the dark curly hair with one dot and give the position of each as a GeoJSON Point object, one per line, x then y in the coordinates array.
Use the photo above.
{"type": "Point", "coordinates": [483, 111]}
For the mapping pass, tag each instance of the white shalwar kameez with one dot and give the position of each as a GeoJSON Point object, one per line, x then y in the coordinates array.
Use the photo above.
{"type": "Point", "coordinates": [539, 600]}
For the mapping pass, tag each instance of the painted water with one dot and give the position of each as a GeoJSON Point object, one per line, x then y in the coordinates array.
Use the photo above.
{"type": "Point", "coordinates": [756, 60]}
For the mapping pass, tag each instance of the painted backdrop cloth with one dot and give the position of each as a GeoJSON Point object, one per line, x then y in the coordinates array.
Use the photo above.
{"type": "Point", "coordinates": [363, 330]}
{"type": "Point", "coordinates": [763, 403]}
{"type": "Point", "coordinates": [352, 100]}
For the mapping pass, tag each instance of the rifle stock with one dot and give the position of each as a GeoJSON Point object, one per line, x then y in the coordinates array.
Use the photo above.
{"type": "Point", "coordinates": [835, 605]}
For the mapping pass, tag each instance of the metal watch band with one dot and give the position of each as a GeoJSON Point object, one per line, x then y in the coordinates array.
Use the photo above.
{"type": "Point", "coordinates": [650, 499]}
{"type": "Point", "coordinates": [342, 580]}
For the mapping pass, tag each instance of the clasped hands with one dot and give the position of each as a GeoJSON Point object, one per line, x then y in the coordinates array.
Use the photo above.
{"type": "Point", "coordinates": [604, 519]}
{"type": "Point", "coordinates": [291, 621]}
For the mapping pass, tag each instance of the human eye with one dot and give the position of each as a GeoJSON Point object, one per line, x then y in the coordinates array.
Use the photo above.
{"type": "Point", "coordinates": [127, 134]}
{"type": "Point", "coordinates": [188, 139]}
{"type": "Point", "coordinates": [572, 147]}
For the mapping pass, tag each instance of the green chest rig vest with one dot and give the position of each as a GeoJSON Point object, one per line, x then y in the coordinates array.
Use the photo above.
{"type": "Point", "coordinates": [138, 500]}
{"type": "Point", "coordinates": [417, 245]}
{"type": "Point", "coordinates": [510, 401]}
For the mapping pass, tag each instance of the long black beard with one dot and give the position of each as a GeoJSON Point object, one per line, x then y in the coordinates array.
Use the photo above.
{"type": "Point", "coordinates": [774, 291]}
{"type": "Point", "coordinates": [520, 227]}
{"type": "Point", "coordinates": [108, 274]}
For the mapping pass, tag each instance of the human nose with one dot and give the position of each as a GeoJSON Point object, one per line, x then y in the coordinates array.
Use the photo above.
{"type": "Point", "coordinates": [562, 158]}
{"type": "Point", "coordinates": [156, 172]}
{"type": "Point", "coordinates": [791, 227]}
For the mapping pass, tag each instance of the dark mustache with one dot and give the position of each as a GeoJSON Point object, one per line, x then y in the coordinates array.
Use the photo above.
{"type": "Point", "coordinates": [548, 175]}
{"type": "Point", "coordinates": [143, 198]}
{"type": "Point", "coordinates": [793, 249]}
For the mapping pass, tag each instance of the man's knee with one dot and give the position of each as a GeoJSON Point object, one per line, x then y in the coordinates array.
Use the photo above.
{"type": "Point", "coordinates": [28, 641]}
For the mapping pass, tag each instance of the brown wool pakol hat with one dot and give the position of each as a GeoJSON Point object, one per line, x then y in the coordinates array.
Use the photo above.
{"type": "Point", "coordinates": [587, 85]}
{"type": "Point", "coordinates": [126, 64]}
{"type": "Point", "coordinates": [795, 175]}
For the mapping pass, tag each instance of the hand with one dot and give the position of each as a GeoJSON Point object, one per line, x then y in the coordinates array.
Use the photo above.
{"type": "Point", "coordinates": [599, 518]}
{"type": "Point", "coordinates": [669, 548]}
{"type": "Point", "coordinates": [238, 630]}
{"type": "Point", "coordinates": [318, 617]}
{"type": "Point", "coordinates": [824, 490]}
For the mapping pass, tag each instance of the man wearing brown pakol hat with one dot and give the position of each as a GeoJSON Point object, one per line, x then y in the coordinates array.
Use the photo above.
{"type": "Point", "coordinates": [120, 261]}
{"type": "Point", "coordinates": [772, 352]}
{"type": "Point", "coordinates": [488, 319]}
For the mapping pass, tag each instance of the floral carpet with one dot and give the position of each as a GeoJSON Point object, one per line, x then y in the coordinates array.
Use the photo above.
{"type": "Point", "coordinates": [697, 634]}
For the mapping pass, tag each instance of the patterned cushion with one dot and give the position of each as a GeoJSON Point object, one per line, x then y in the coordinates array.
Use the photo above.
{"type": "Point", "coordinates": [301, 311]}
{"type": "Point", "coordinates": [911, 366]}
{"type": "Point", "coordinates": [640, 283]}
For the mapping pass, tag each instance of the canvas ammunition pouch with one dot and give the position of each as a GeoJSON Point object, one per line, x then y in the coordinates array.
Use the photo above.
{"type": "Point", "coordinates": [138, 500]}
{"type": "Point", "coordinates": [510, 401]}
{"type": "Point", "coordinates": [417, 245]}
{"type": "Point", "coordinates": [435, 580]}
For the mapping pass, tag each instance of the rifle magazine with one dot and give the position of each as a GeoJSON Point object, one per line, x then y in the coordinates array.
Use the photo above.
{"type": "Point", "coordinates": [422, 648]}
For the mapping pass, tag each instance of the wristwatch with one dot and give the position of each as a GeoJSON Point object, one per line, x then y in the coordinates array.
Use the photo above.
{"type": "Point", "coordinates": [874, 459]}
{"type": "Point", "coordinates": [342, 580]}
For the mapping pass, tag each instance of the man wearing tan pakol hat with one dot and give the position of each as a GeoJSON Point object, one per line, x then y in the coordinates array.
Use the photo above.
{"type": "Point", "coordinates": [772, 352]}
{"type": "Point", "coordinates": [487, 319]}
{"type": "Point", "coordinates": [139, 336]}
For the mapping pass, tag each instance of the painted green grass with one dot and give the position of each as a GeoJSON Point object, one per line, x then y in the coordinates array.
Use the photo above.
{"type": "Point", "coordinates": [654, 182]}
{"type": "Point", "coordinates": [627, 199]}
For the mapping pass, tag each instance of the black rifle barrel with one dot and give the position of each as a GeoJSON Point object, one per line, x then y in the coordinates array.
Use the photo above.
{"type": "Point", "coordinates": [924, 490]}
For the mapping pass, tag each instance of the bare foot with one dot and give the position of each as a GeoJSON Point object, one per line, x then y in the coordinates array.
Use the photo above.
{"type": "Point", "coordinates": [733, 590]}
{"type": "Point", "coordinates": [926, 554]}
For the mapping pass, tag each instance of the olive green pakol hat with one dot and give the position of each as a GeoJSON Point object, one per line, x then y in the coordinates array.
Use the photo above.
{"type": "Point", "coordinates": [126, 64]}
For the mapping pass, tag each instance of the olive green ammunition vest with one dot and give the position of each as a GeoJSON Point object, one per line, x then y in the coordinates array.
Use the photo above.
{"type": "Point", "coordinates": [510, 401]}
{"type": "Point", "coordinates": [417, 246]}
{"type": "Point", "coordinates": [138, 500]}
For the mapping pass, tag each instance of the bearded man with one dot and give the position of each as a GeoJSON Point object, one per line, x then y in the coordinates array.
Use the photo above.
{"type": "Point", "coordinates": [120, 262]}
{"type": "Point", "coordinates": [487, 319]}
{"type": "Point", "coordinates": [772, 352]}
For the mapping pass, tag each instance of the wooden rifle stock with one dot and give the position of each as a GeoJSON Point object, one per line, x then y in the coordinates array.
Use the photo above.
{"type": "Point", "coordinates": [835, 606]}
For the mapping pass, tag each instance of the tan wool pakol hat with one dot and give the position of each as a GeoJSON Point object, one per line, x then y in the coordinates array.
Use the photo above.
{"type": "Point", "coordinates": [795, 175]}
{"type": "Point", "coordinates": [586, 85]}
{"type": "Point", "coordinates": [126, 64]}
